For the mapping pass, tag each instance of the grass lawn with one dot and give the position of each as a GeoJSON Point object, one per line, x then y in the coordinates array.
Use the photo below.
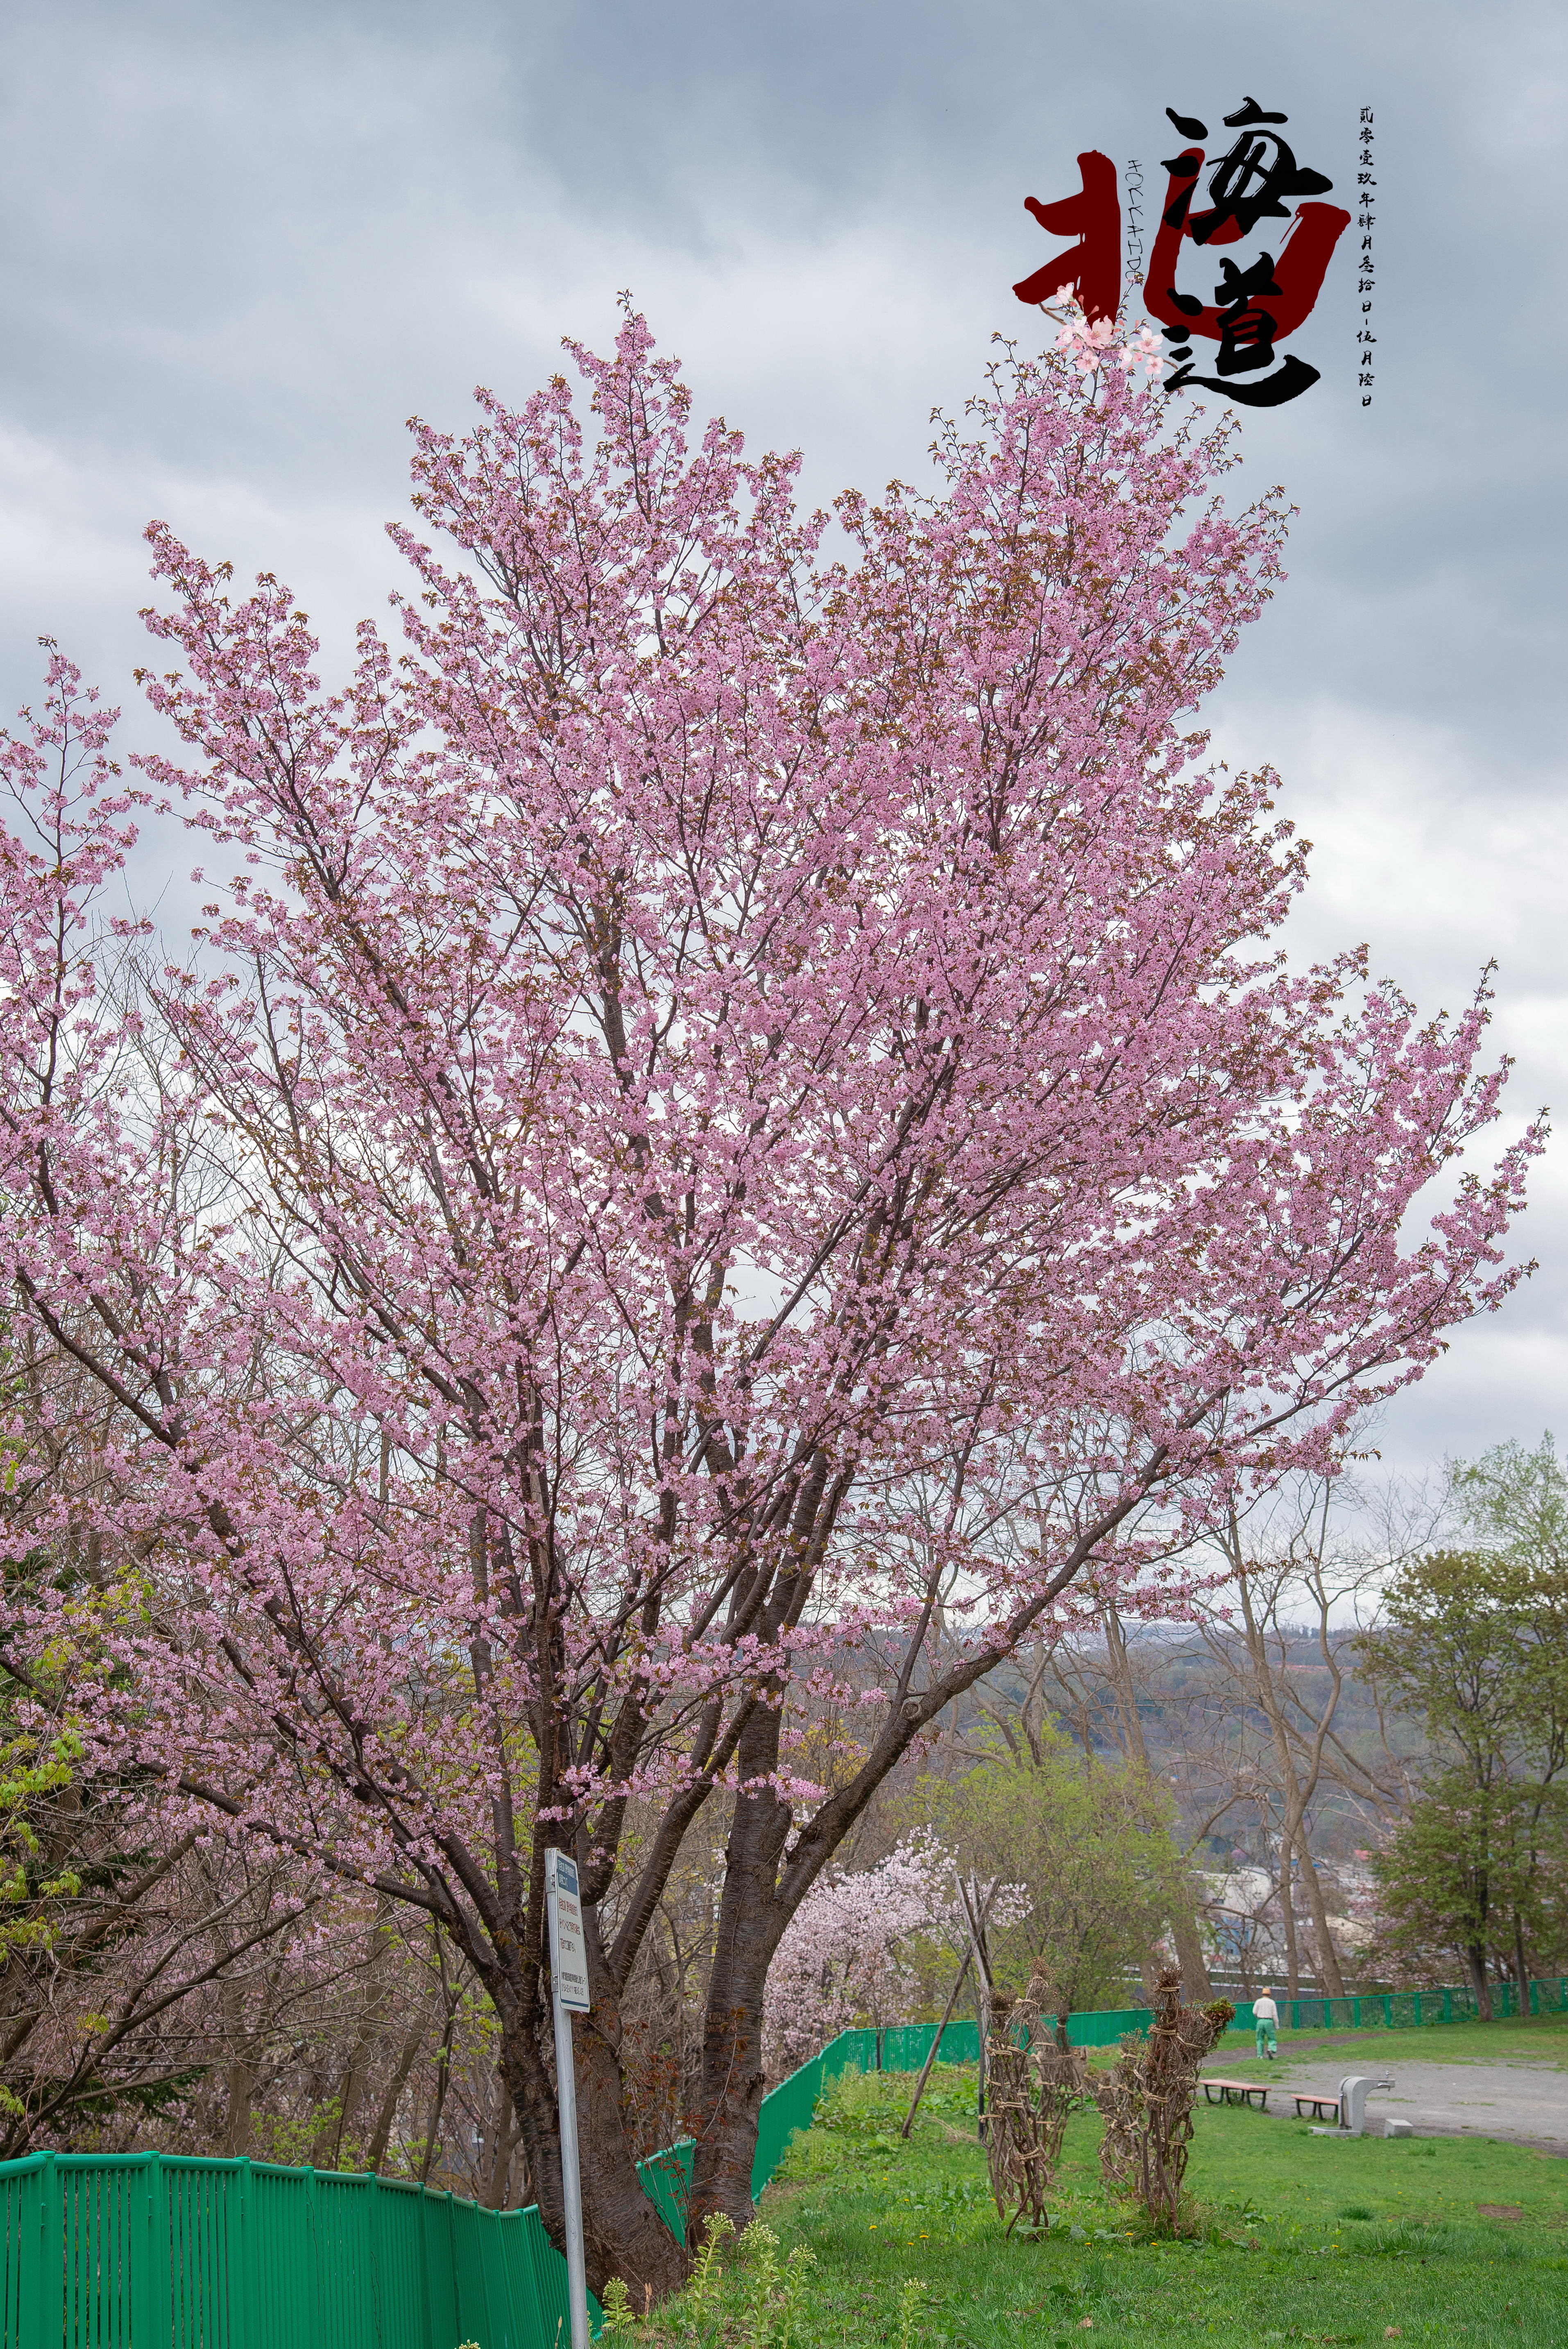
{"type": "Point", "coordinates": [1535, 2039]}
{"type": "Point", "coordinates": [1306, 2238]}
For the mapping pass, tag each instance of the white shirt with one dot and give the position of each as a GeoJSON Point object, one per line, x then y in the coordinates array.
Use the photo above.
{"type": "Point", "coordinates": [1264, 2010]}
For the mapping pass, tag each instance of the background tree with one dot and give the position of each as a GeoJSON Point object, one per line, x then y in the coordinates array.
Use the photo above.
{"type": "Point", "coordinates": [1474, 1871]}
{"type": "Point", "coordinates": [117, 1918]}
{"type": "Point", "coordinates": [1097, 1682]}
{"type": "Point", "coordinates": [731, 1099]}
{"type": "Point", "coordinates": [1092, 1853]}
{"type": "Point", "coordinates": [1475, 1643]}
{"type": "Point", "coordinates": [1246, 1716]}
{"type": "Point", "coordinates": [1281, 1629]}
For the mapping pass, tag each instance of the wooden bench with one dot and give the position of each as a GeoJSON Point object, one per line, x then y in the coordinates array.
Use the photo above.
{"type": "Point", "coordinates": [1324, 2108]}
{"type": "Point", "coordinates": [1237, 2092]}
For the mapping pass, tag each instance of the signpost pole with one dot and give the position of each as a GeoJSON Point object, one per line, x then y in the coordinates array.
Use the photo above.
{"type": "Point", "coordinates": [569, 1996]}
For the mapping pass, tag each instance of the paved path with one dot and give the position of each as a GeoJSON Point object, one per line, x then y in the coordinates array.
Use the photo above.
{"type": "Point", "coordinates": [1525, 2103]}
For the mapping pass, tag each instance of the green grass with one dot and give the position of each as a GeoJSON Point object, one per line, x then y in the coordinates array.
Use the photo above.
{"type": "Point", "coordinates": [1304, 2238]}
{"type": "Point", "coordinates": [1537, 2039]}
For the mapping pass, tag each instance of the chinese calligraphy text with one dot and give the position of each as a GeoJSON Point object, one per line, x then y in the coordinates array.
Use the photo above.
{"type": "Point", "coordinates": [1257, 299]}
{"type": "Point", "coordinates": [1092, 271]}
{"type": "Point", "coordinates": [1366, 197]}
{"type": "Point", "coordinates": [1255, 306]}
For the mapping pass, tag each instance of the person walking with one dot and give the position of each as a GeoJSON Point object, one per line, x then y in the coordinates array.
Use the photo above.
{"type": "Point", "coordinates": [1266, 2022]}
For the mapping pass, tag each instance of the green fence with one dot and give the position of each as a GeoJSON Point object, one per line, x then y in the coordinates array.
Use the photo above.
{"type": "Point", "coordinates": [905, 2050]}
{"type": "Point", "coordinates": [788, 2107]}
{"type": "Point", "coordinates": [1403, 2009]}
{"type": "Point", "coordinates": [159, 2251]}
{"type": "Point", "coordinates": [149, 2250]}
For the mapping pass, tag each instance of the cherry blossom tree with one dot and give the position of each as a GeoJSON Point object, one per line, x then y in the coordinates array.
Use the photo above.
{"type": "Point", "coordinates": [845, 1951]}
{"type": "Point", "coordinates": [734, 1095]}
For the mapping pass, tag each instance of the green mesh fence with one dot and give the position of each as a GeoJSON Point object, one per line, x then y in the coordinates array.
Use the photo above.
{"type": "Point", "coordinates": [1399, 2010]}
{"type": "Point", "coordinates": [1104, 2030]}
{"type": "Point", "coordinates": [160, 2251]}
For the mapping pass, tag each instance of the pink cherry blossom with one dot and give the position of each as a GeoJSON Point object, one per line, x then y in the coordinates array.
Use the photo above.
{"type": "Point", "coordinates": [737, 1108]}
{"type": "Point", "coordinates": [847, 1955]}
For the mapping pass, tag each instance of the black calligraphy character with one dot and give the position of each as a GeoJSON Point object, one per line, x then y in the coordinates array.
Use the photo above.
{"type": "Point", "coordinates": [1257, 307]}
{"type": "Point", "coordinates": [1292, 379]}
{"type": "Point", "coordinates": [1247, 332]}
{"type": "Point", "coordinates": [1251, 183]}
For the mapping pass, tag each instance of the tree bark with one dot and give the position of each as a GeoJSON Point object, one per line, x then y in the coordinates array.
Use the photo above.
{"type": "Point", "coordinates": [1296, 1795]}
{"type": "Point", "coordinates": [242, 2082]}
{"type": "Point", "coordinates": [1333, 1978]}
{"type": "Point", "coordinates": [1196, 1984]}
{"type": "Point", "coordinates": [623, 2234]}
{"type": "Point", "coordinates": [1196, 1987]}
{"type": "Point", "coordinates": [381, 2136]}
{"type": "Point", "coordinates": [751, 1920]}
{"type": "Point", "coordinates": [505, 2136]}
{"type": "Point", "coordinates": [327, 2150]}
{"type": "Point", "coordinates": [1287, 1915]}
{"type": "Point", "coordinates": [1520, 1968]}
{"type": "Point", "coordinates": [1475, 1958]}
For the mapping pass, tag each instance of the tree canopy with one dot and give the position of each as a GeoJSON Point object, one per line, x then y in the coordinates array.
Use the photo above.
{"type": "Point", "coordinates": [728, 1097]}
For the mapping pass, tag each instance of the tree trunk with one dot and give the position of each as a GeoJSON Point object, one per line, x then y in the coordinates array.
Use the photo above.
{"type": "Point", "coordinates": [1183, 1909]}
{"type": "Point", "coordinates": [1328, 1957]}
{"type": "Point", "coordinates": [381, 2134]}
{"type": "Point", "coordinates": [246, 2045]}
{"type": "Point", "coordinates": [1475, 1958]}
{"type": "Point", "coordinates": [732, 2075]}
{"type": "Point", "coordinates": [751, 1920]}
{"type": "Point", "coordinates": [1295, 1795]}
{"type": "Point", "coordinates": [237, 2116]}
{"type": "Point", "coordinates": [1196, 1987]}
{"type": "Point", "coordinates": [623, 2234]}
{"type": "Point", "coordinates": [504, 2135]}
{"type": "Point", "coordinates": [242, 2071]}
{"type": "Point", "coordinates": [437, 2100]}
{"type": "Point", "coordinates": [327, 2150]}
{"type": "Point", "coordinates": [1288, 1914]}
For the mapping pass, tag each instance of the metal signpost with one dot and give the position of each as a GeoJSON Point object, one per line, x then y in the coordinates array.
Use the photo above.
{"type": "Point", "coordinates": [569, 1986]}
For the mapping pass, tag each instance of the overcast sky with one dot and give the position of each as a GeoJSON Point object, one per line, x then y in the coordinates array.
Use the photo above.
{"type": "Point", "coordinates": [242, 243]}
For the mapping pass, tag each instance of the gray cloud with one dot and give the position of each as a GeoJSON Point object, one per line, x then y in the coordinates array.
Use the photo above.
{"type": "Point", "coordinates": [241, 244]}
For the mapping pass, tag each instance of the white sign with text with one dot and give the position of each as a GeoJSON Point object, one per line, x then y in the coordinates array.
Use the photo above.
{"type": "Point", "coordinates": [568, 1949]}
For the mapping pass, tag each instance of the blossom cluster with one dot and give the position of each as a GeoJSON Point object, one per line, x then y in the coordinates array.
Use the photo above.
{"type": "Point", "coordinates": [847, 1955]}
{"type": "Point", "coordinates": [736, 1103]}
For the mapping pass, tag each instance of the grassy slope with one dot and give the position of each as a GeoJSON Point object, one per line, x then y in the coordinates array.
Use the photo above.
{"type": "Point", "coordinates": [1309, 2238]}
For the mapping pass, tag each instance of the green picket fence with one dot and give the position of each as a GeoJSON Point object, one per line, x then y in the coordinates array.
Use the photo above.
{"type": "Point", "coordinates": [1381, 2009]}
{"type": "Point", "coordinates": [148, 2251]}
{"type": "Point", "coordinates": [788, 2107]}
